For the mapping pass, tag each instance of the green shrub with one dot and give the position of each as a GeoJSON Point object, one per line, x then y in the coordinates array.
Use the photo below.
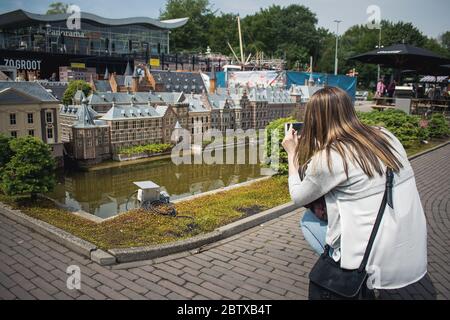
{"type": "Point", "coordinates": [5, 152]}
{"type": "Point", "coordinates": [438, 126]}
{"type": "Point", "coordinates": [149, 149]}
{"type": "Point", "coordinates": [405, 127]}
{"type": "Point", "coordinates": [278, 125]}
{"type": "Point", "coordinates": [31, 168]}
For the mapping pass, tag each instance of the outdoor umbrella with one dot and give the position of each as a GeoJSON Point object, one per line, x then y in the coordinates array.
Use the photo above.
{"type": "Point", "coordinates": [405, 56]}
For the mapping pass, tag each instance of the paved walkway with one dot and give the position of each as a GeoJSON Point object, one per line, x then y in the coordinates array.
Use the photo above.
{"type": "Point", "coordinates": [267, 262]}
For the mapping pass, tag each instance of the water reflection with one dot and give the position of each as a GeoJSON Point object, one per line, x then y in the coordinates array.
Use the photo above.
{"type": "Point", "coordinates": [104, 193]}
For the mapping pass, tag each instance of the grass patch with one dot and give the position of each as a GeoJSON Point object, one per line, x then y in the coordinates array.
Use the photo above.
{"type": "Point", "coordinates": [420, 147]}
{"type": "Point", "coordinates": [138, 228]}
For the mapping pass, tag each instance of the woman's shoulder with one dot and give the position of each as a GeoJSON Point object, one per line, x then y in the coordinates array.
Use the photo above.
{"type": "Point", "coordinates": [396, 144]}
{"type": "Point", "coordinates": [387, 133]}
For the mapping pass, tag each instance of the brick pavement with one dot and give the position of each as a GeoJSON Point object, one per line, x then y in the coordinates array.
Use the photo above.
{"type": "Point", "coordinates": [267, 262]}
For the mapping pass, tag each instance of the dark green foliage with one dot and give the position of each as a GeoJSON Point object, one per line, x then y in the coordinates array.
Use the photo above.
{"type": "Point", "coordinates": [73, 87]}
{"type": "Point", "coordinates": [445, 40]}
{"type": "Point", "coordinates": [405, 127]}
{"type": "Point", "coordinates": [290, 32]}
{"type": "Point", "coordinates": [438, 126]}
{"type": "Point", "coordinates": [193, 37]}
{"type": "Point", "coordinates": [57, 8]}
{"type": "Point", "coordinates": [360, 39]}
{"type": "Point", "coordinates": [149, 149]}
{"type": "Point", "coordinates": [278, 125]}
{"type": "Point", "coordinates": [5, 152]}
{"type": "Point", "coordinates": [31, 169]}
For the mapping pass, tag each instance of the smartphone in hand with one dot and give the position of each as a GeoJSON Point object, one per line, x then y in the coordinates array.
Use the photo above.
{"type": "Point", "coordinates": [298, 126]}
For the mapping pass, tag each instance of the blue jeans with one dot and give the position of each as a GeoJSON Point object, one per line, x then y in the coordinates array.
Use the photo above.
{"type": "Point", "coordinates": [315, 231]}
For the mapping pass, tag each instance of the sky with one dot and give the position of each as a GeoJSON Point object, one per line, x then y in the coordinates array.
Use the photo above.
{"type": "Point", "coordinates": [432, 17]}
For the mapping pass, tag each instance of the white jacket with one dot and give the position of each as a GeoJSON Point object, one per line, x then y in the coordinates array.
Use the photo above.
{"type": "Point", "coordinates": [399, 254]}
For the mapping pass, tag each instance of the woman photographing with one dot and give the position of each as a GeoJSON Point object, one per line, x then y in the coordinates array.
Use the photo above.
{"type": "Point", "coordinates": [370, 227]}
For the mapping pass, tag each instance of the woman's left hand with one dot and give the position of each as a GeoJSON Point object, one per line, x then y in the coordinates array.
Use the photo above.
{"type": "Point", "coordinates": [290, 142]}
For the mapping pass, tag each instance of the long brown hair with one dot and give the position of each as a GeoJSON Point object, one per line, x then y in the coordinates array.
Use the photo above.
{"type": "Point", "coordinates": [331, 123]}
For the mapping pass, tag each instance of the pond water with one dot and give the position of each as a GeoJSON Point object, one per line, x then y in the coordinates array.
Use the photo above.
{"type": "Point", "coordinates": [105, 192]}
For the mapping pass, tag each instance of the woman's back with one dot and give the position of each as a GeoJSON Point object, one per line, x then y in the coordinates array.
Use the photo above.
{"type": "Point", "coordinates": [398, 257]}
{"type": "Point", "coordinates": [346, 161]}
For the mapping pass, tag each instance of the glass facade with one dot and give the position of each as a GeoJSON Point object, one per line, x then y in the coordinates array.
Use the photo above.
{"type": "Point", "coordinates": [92, 39]}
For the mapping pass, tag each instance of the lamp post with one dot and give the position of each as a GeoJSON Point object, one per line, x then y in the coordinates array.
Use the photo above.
{"type": "Point", "coordinates": [337, 45]}
{"type": "Point", "coordinates": [379, 47]}
{"type": "Point", "coordinates": [47, 37]}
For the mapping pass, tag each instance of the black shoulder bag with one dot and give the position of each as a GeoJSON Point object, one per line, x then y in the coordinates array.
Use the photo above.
{"type": "Point", "coordinates": [328, 281]}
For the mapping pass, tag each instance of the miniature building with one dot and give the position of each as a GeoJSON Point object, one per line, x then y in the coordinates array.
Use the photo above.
{"type": "Point", "coordinates": [149, 117]}
{"type": "Point", "coordinates": [67, 74]}
{"type": "Point", "coordinates": [199, 117]}
{"type": "Point", "coordinates": [27, 109]}
{"type": "Point", "coordinates": [136, 125]}
{"type": "Point", "coordinates": [90, 137]}
{"type": "Point", "coordinates": [56, 88]}
{"type": "Point", "coordinates": [186, 82]}
{"type": "Point", "coordinates": [225, 113]}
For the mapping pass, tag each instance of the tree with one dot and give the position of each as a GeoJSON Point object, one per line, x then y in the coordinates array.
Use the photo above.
{"type": "Point", "coordinates": [5, 152]}
{"type": "Point", "coordinates": [445, 40]}
{"type": "Point", "coordinates": [434, 45]}
{"type": "Point", "coordinates": [194, 35]}
{"type": "Point", "coordinates": [402, 32]}
{"type": "Point", "coordinates": [285, 32]}
{"type": "Point", "coordinates": [73, 87]}
{"type": "Point", "coordinates": [223, 29]}
{"type": "Point", "coordinates": [359, 39]}
{"type": "Point", "coordinates": [31, 169]}
{"type": "Point", "coordinates": [57, 8]}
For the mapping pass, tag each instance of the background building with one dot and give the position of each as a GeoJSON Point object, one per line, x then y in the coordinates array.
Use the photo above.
{"type": "Point", "coordinates": [42, 43]}
{"type": "Point", "coordinates": [77, 72]}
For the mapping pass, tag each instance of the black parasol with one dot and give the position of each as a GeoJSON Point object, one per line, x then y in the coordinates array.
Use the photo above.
{"type": "Point", "coordinates": [404, 56]}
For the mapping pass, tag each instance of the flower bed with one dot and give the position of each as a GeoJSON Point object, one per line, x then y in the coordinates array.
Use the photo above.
{"type": "Point", "coordinates": [142, 151]}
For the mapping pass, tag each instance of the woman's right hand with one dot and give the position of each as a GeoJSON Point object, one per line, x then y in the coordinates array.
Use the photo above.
{"type": "Point", "coordinates": [290, 142]}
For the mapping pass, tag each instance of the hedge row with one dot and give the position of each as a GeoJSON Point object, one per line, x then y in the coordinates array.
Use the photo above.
{"type": "Point", "coordinates": [148, 149]}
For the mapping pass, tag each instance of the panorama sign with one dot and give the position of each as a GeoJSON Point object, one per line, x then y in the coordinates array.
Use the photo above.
{"type": "Point", "coordinates": [65, 33]}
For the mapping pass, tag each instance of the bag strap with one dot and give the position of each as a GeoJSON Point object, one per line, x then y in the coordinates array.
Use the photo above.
{"type": "Point", "coordinates": [387, 199]}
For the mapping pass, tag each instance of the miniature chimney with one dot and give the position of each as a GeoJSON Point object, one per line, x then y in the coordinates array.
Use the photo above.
{"type": "Point", "coordinates": [213, 81]}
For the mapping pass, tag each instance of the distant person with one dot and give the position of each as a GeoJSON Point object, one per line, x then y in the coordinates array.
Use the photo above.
{"type": "Point", "coordinates": [391, 90]}
{"type": "Point", "coordinates": [337, 157]}
{"type": "Point", "coordinates": [381, 88]}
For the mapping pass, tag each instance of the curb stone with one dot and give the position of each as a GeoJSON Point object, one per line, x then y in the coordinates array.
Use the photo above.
{"type": "Point", "coordinates": [62, 237]}
{"type": "Point", "coordinates": [417, 155]}
{"type": "Point", "coordinates": [102, 258]}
